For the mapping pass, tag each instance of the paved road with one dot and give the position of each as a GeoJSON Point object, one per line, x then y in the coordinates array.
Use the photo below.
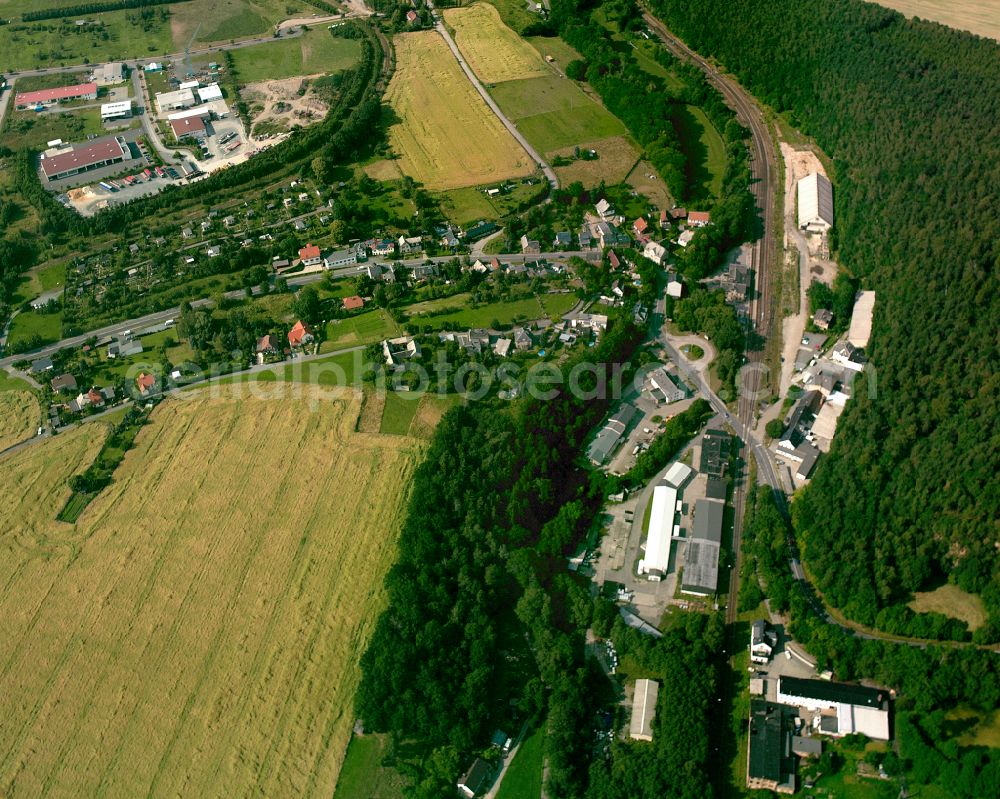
{"type": "Point", "coordinates": [764, 171]}
{"type": "Point", "coordinates": [159, 317]}
{"type": "Point", "coordinates": [290, 29]}
{"type": "Point", "coordinates": [549, 172]}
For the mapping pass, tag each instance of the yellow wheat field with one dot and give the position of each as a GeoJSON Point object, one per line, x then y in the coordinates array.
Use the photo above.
{"type": "Point", "coordinates": [447, 136]}
{"type": "Point", "coordinates": [19, 416]}
{"type": "Point", "coordinates": [197, 633]}
{"type": "Point", "coordinates": [978, 16]}
{"type": "Point", "coordinates": [493, 50]}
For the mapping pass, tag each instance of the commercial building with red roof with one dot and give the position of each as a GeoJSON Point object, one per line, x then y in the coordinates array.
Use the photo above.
{"type": "Point", "coordinates": [193, 127]}
{"type": "Point", "coordinates": [81, 91]}
{"type": "Point", "coordinates": [98, 153]}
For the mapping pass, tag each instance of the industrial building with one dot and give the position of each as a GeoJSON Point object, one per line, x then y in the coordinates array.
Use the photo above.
{"type": "Point", "coordinates": [663, 387]}
{"type": "Point", "coordinates": [763, 640]}
{"type": "Point", "coordinates": [770, 760]}
{"type": "Point", "coordinates": [701, 558]}
{"type": "Point", "coordinates": [174, 101]}
{"type": "Point", "coordinates": [815, 203]}
{"type": "Point", "coordinates": [861, 319]}
{"type": "Point", "coordinates": [678, 474]}
{"type": "Point", "coordinates": [643, 710]}
{"type": "Point", "coordinates": [210, 93]}
{"type": "Point", "coordinates": [189, 128]}
{"type": "Point", "coordinates": [478, 777]}
{"type": "Point", "coordinates": [656, 561]}
{"type": "Point", "coordinates": [109, 74]}
{"type": "Point", "coordinates": [606, 441]}
{"type": "Point", "coordinates": [68, 161]}
{"type": "Point", "coordinates": [342, 258]}
{"type": "Point", "coordinates": [715, 453]}
{"type": "Point", "coordinates": [80, 91]}
{"type": "Point", "coordinates": [842, 709]}
{"type": "Point", "coordinates": [112, 111]}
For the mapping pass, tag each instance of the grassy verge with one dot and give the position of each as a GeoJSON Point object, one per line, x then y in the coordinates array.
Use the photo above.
{"type": "Point", "coordinates": [363, 776]}
{"type": "Point", "coordinates": [523, 779]}
{"type": "Point", "coordinates": [88, 485]}
{"type": "Point", "coordinates": [398, 413]}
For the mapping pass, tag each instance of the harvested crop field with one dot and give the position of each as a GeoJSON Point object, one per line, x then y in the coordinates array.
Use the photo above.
{"type": "Point", "coordinates": [978, 16]}
{"type": "Point", "coordinates": [493, 50]}
{"type": "Point", "coordinates": [197, 632]}
{"type": "Point", "coordinates": [447, 136]}
{"type": "Point", "coordinates": [19, 415]}
{"type": "Point", "coordinates": [616, 157]}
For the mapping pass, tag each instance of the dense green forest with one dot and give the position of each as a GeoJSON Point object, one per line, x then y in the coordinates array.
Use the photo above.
{"type": "Point", "coordinates": [929, 681]}
{"type": "Point", "coordinates": [687, 662]}
{"type": "Point", "coordinates": [499, 501]}
{"type": "Point", "coordinates": [908, 111]}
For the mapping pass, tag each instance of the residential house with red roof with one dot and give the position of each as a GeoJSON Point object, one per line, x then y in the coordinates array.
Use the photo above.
{"type": "Point", "coordinates": [146, 384]}
{"type": "Point", "coordinates": [300, 335]}
{"type": "Point", "coordinates": [353, 303]}
{"type": "Point", "coordinates": [699, 218]}
{"type": "Point", "coordinates": [310, 255]}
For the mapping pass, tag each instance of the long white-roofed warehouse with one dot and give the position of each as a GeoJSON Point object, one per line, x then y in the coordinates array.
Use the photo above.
{"type": "Point", "coordinates": [661, 530]}
{"type": "Point", "coordinates": [815, 203]}
{"type": "Point", "coordinates": [643, 710]}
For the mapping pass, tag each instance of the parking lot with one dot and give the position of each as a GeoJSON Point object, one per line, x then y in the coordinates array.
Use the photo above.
{"type": "Point", "coordinates": [217, 156]}
{"type": "Point", "coordinates": [782, 662]}
{"type": "Point", "coordinates": [621, 545]}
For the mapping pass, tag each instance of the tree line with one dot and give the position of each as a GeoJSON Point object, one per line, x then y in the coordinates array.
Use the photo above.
{"type": "Point", "coordinates": [501, 498]}
{"type": "Point", "coordinates": [906, 498]}
{"type": "Point", "coordinates": [92, 8]}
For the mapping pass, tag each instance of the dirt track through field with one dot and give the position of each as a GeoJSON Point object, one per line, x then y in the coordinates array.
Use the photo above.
{"type": "Point", "coordinates": [447, 137]}
{"type": "Point", "coordinates": [197, 632]}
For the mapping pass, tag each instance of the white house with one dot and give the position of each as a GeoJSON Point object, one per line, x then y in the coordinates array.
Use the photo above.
{"type": "Point", "coordinates": [310, 255]}
{"type": "Point", "coordinates": [655, 252]}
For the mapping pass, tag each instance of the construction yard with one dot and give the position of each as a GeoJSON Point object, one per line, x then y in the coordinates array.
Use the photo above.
{"type": "Point", "coordinates": [279, 105]}
{"type": "Point", "coordinates": [806, 258]}
{"type": "Point", "coordinates": [197, 631]}
{"type": "Point", "coordinates": [441, 115]}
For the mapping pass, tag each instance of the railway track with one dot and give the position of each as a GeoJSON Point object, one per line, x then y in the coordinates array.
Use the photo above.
{"type": "Point", "coordinates": [764, 171]}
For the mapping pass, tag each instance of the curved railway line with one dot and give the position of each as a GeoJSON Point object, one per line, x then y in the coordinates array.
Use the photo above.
{"type": "Point", "coordinates": [764, 172]}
